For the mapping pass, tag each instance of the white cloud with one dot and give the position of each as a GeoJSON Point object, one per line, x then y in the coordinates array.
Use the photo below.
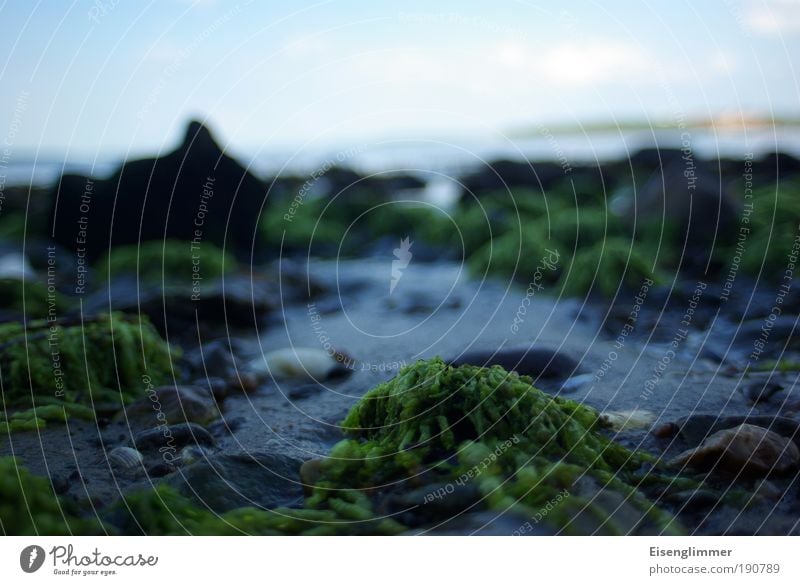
{"type": "Point", "coordinates": [721, 62]}
{"type": "Point", "coordinates": [573, 64]}
{"type": "Point", "coordinates": [773, 17]}
{"type": "Point", "coordinates": [592, 62]}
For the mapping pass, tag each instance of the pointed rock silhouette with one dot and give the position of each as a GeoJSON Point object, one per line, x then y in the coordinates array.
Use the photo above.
{"type": "Point", "coordinates": [196, 192]}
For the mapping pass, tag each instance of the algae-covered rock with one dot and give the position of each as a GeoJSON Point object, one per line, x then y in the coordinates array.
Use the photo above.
{"type": "Point", "coordinates": [31, 297]}
{"type": "Point", "coordinates": [62, 368]}
{"type": "Point", "coordinates": [29, 506]}
{"type": "Point", "coordinates": [482, 437]}
{"type": "Point", "coordinates": [167, 260]}
{"type": "Point", "coordinates": [608, 266]}
{"type": "Point", "coordinates": [520, 446]}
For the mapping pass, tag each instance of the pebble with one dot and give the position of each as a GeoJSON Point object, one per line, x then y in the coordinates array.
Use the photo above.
{"type": "Point", "coordinates": [759, 392]}
{"type": "Point", "coordinates": [300, 363]}
{"type": "Point", "coordinates": [697, 427]}
{"type": "Point", "coordinates": [310, 472]}
{"type": "Point", "coordinates": [304, 391]}
{"type": "Point", "coordinates": [574, 383]}
{"type": "Point", "coordinates": [125, 458]}
{"type": "Point", "coordinates": [627, 420]}
{"type": "Point", "coordinates": [747, 449]}
{"type": "Point", "coordinates": [665, 430]}
{"type": "Point", "coordinates": [174, 405]}
{"type": "Point", "coordinates": [192, 453]}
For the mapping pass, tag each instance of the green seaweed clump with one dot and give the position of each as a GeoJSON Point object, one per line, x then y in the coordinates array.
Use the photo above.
{"type": "Point", "coordinates": [773, 224]}
{"type": "Point", "coordinates": [28, 506]}
{"type": "Point", "coordinates": [164, 511]}
{"type": "Point", "coordinates": [519, 446]}
{"type": "Point", "coordinates": [53, 369]}
{"type": "Point", "coordinates": [607, 266]}
{"type": "Point", "coordinates": [439, 429]}
{"type": "Point", "coordinates": [31, 297]}
{"type": "Point", "coordinates": [166, 261]}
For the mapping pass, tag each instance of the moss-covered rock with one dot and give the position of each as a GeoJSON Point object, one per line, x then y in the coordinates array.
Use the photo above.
{"type": "Point", "coordinates": [169, 260]}
{"type": "Point", "coordinates": [433, 427]}
{"type": "Point", "coordinates": [28, 506]}
{"type": "Point", "coordinates": [608, 266]}
{"type": "Point", "coordinates": [31, 298]}
{"type": "Point", "coordinates": [519, 445]}
{"type": "Point", "coordinates": [61, 368]}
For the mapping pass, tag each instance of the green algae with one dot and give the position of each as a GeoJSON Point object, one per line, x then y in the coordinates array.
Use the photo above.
{"type": "Point", "coordinates": [163, 511]}
{"type": "Point", "coordinates": [168, 260]}
{"type": "Point", "coordinates": [13, 226]}
{"type": "Point", "coordinates": [54, 369]}
{"type": "Point", "coordinates": [607, 266]}
{"type": "Point", "coordinates": [31, 297]}
{"type": "Point", "coordinates": [519, 445]}
{"type": "Point", "coordinates": [28, 506]}
{"type": "Point", "coordinates": [523, 451]}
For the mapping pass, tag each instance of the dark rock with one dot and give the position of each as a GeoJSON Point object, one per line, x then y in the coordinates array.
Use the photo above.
{"type": "Point", "coordinates": [235, 301]}
{"type": "Point", "coordinates": [502, 175]}
{"type": "Point", "coordinates": [175, 436]}
{"type": "Point", "coordinates": [160, 470]}
{"type": "Point", "coordinates": [226, 426]}
{"type": "Point", "coordinates": [746, 450]}
{"type": "Point", "coordinates": [762, 391]}
{"type": "Point", "coordinates": [774, 166]}
{"type": "Point", "coordinates": [694, 501]}
{"type": "Point", "coordinates": [691, 201]}
{"type": "Point", "coordinates": [212, 358]}
{"type": "Point", "coordinates": [610, 513]}
{"type": "Point", "coordinates": [225, 482]}
{"type": "Point", "coordinates": [219, 387]}
{"type": "Point", "coordinates": [781, 334]}
{"type": "Point", "coordinates": [421, 302]}
{"type": "Point", "coordinates": [485, 523]}
{"type": "Point", "coordinates": [535, 362]}
{"type": "Point", "coordinates": [304, 391]}
{"type": "Point", "coordinates": [173, 405]}
{"type": "Point", "coordinates": [696, 428]}
{"type": "Point", "coordinates": [430, 503]}
{"type": "Point", "coordinates": [60, 484]}
{"type": "Point", "coordinates": [156, 199]}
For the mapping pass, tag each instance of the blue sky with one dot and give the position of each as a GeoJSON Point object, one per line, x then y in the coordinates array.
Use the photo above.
{"type": "Point", "coordinates": [119, 76]}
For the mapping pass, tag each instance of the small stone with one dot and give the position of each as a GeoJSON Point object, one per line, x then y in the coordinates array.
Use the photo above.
{"type": "Point", "coordinates": [627, 420]}
{"type": "Point", "coordinates": [768, 491]}
{"type": "Point", "coordinates": [759, 392]}
{"type": "Point", "coordinates": [698, 500]}
{"type": "Point", "coordinates": [304, 391]}
{"type": "Point", "coordinates": [300, 363]}
{"type": "Point", "coordinates": [574, 383]}
{"type": "Point", "coordinates": [160, 469]}
{"type": "Point", "coordinates": [173, 437]}
{"type": "Point", "coordinates": [174, 405]}
{"type": "Point", "coordinates": [310, 472]}
{"type": "Point", "coordinates": [665, 430]}
{"type": "Point", "coordinates": [125, 458]}
{"type": "Point", "coordinates": [218, 387]}
{"type": "Point", "coordinates": [747, 449]}
{"type": "Point", "coordinates": [696, 428]}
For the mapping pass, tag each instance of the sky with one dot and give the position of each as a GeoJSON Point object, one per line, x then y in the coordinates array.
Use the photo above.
{"type": "Point", "coordinates": [125, 76]}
